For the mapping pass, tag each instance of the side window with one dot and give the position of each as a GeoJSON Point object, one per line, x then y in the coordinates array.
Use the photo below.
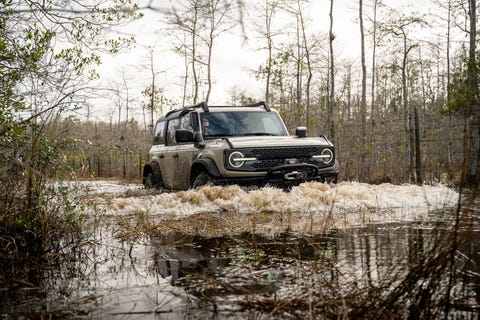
{"type": "Point", "coordinates": [171, 127]}
{"type": "Point", "coordinates": [185, 123]}
{"type": "Point", "coordinates": [159, 134]}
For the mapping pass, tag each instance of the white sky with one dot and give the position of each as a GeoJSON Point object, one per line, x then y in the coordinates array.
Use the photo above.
{"type": "Point", "coordinates": [233, 59]}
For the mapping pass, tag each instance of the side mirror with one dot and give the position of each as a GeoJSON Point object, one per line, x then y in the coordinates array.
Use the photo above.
{"type": "Point", "coordinates": [184, 136]}
{"type": "Point", "coordinates": [199, 142]}
{"type": "Point", "coordinates": [301, 132]}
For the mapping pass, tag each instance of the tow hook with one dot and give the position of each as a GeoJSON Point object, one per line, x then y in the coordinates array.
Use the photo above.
{"type": "Point", "coordinates": [294, 175]}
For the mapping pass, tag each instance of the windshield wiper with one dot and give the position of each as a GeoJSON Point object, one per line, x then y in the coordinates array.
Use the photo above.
{"type": "Point", "coordinates": [259, 134]}
{"type": "Point", "coordinates": [218, 135]}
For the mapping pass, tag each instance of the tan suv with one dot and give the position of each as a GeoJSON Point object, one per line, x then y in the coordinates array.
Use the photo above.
{"type": "Point", "coordinates": [247, 145]}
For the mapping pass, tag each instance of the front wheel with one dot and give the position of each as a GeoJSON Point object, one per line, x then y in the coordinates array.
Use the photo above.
{"type": "Point", "coordinates": [149, 181]}
{"type": "Point", "coordinates": [201, 179]}
{"type": "Point", "coordinates": [152, 181]}
{"type": "Point", "coordinates": [332, 179]}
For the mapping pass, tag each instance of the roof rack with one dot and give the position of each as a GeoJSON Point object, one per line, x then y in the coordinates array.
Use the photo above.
{"type": "Point", "coordinates": [186, 109]}
{"type": "Point", "coordinates": [206, 108]}
{"type": "Point", "coordinates": [258, 104]}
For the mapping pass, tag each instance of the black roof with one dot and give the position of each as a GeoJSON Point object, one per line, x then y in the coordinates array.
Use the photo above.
{"type": "Point", "coordinates": [206, 108]}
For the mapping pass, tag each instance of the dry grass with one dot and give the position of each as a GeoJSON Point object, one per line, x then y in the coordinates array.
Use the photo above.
{"type": "Point", "coordinates": [429, 286]}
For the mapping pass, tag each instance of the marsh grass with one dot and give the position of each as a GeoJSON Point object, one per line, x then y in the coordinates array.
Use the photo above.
{"type": "Point", "coordinates": [263, 263]}
{"type": "Point", "coordinates": [438, 279]}
{"type": "Point", "coordinates": [40, 222]}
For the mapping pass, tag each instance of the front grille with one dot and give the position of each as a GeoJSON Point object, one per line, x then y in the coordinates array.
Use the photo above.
{"type": "Point", "coordinates": [272, 163]}
{"type": "Point", "coordinates": [268, 163]}
{"type": "Point", "coordinates": [268, 158]}
{"type": "Point", "coordinates": [286, 152]}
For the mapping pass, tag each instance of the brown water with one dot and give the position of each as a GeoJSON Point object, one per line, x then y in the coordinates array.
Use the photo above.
{"type": "Point", "coordinates": [180, 276]}
{"type": "Point", "coordinates": [169, 273]}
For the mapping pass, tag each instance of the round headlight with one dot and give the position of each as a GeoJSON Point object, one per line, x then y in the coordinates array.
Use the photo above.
{"type": "Point", "coordinates": [236, 159]}
{"type": "Point", "coordinates": [326, 156]}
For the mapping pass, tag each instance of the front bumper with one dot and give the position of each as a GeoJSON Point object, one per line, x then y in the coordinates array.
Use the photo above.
{"type": "Point", "coordinates": [286, 175]}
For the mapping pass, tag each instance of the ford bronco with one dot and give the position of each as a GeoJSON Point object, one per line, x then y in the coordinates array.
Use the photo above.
{"type": "Point", "coordinates": [246, 145]}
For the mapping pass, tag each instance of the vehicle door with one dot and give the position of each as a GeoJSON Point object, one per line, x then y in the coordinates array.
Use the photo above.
{"type": "Point", "coordinates": [157, 151]}
{"type": "Point", "coordinates": [183, 158]}
{"type": "Point", "coordinates": [169, 154]}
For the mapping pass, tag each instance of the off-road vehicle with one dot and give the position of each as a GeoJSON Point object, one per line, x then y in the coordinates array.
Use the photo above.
{"type": "Point", "coordinates": [246, 145]}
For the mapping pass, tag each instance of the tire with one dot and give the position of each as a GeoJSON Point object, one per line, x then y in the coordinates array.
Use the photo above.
{"type": "Point", "coordinates": [335, 180]}
{"type": "Point", "coordinates": [152, 181]}
{"type": "Point", "coordinates": [201, 179]}
{"type": "Point", "coordinates": [332, 179]}
{"type": "Point", "coordinates": [149, 181]}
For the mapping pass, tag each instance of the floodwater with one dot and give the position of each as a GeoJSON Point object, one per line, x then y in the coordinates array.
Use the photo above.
{"type": "Point", "coordinates": [233, 253]}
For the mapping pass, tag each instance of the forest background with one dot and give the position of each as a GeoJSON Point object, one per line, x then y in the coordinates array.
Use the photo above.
{"type": "Point", "coordinates": [406, 109]}
{"type": "Point", "coordinates": [383, 94]}
{"type": "Point", "coordinates": [403, 110]}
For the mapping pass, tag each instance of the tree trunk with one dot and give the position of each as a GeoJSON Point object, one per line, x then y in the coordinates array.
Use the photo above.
{"type": "Point", "coordinates": [268, 26]}
{"type": "Point", "coordinates": [374, 57]}
{"type": "Point", "coordinates": [212, 11]}
{"type": "Point", "coordinates": [472, 156]}
{"type": "Point", "coordinates": [298, 75]}
{"type": "Point", "coordinates": [418, 155]}
{"type": "Point", "coordinates": [450, 138]}
{"type": "Point", "coordinates": [194, 53]}
{"type": "Point", "coordinates": [152, 98]}
{"type": "Point", "coordinates": [309, 66]}
{"type": "Point", "coordinates": [331, 95]}
{"type": "Point", "coordinates": [363, 103]}
{"type": "Point", "coordinates": [185, 80]}
{"type": "Point", "coordinates": [408, 114]}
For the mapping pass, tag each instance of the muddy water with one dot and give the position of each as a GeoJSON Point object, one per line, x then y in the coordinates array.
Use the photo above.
{"type": "Point", "coordinates": [227, 253]}
{"type": "Point", "coordinates": [238, 277]}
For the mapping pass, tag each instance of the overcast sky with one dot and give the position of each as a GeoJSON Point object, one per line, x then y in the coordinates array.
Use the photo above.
{"type": "Point", "coordinates": [233, 57]}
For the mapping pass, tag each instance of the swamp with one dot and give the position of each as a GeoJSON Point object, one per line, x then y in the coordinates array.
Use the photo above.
{"type": "Point", "coordinates": [319, 251]}
{"type": "Point", "coordinates": [393, 84]}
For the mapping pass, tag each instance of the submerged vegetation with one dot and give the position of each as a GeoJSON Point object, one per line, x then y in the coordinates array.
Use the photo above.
{"type": "Point", "coordinates": [257, 253]}
{"type": "Point", "coordinates": [47, 54]}
{"type": "Point", "coordinates": [284, 262]}
{"type": "Point", "coordinates": [419, 270]}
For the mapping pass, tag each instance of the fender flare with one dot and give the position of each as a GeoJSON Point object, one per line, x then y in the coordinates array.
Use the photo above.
{"type": "Point", "coordinates": [207, 164]}
{"type": "Point", "coordinates": [151, 166]}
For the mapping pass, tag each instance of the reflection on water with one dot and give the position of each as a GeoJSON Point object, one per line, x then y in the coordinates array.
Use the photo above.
{"type": "Point", "coordinates": [374, 252]}
{"type": "Point", "coordinates": [178, 276]}
{"type": "Point", "coordinates": [226, 272]}
{"type": "Point", "coordinates": [179, 255]}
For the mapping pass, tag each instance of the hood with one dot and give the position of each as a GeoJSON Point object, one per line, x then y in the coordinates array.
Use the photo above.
{"type": "Point", "coordinates": [277, 141]}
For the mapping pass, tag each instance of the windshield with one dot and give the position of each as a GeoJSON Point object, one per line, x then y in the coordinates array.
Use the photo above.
{"type": "Point", "coordinates": [245, 123]}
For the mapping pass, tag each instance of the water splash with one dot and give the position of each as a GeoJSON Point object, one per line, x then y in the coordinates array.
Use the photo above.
{"type": "Point", "coordinates": [347, 203]}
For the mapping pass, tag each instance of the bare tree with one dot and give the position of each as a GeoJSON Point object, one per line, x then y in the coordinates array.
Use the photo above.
{"type": "Point", "coordinates": [374, 60]}
{"type": "Point", "coordinates": [303, 60]}
{"type": "Point", "coordinates": [267, 32]}
{"type": "Point", "coordinates": [202, 22]}
{"type": "Point", "coordinates": [473, 154]}
{"type": "Point", "coordinates": [331, 94]}
{"type": "Point", "coordinates": [400, 26]}
{"type": "Point", "coordinates": [307, 48]}
{"type": "Point", "coordinates": [188, 21]}
{"type": "Point", "coordinates": [363, 102]}
{"type": "Point", "coordinates": [217, 13]}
